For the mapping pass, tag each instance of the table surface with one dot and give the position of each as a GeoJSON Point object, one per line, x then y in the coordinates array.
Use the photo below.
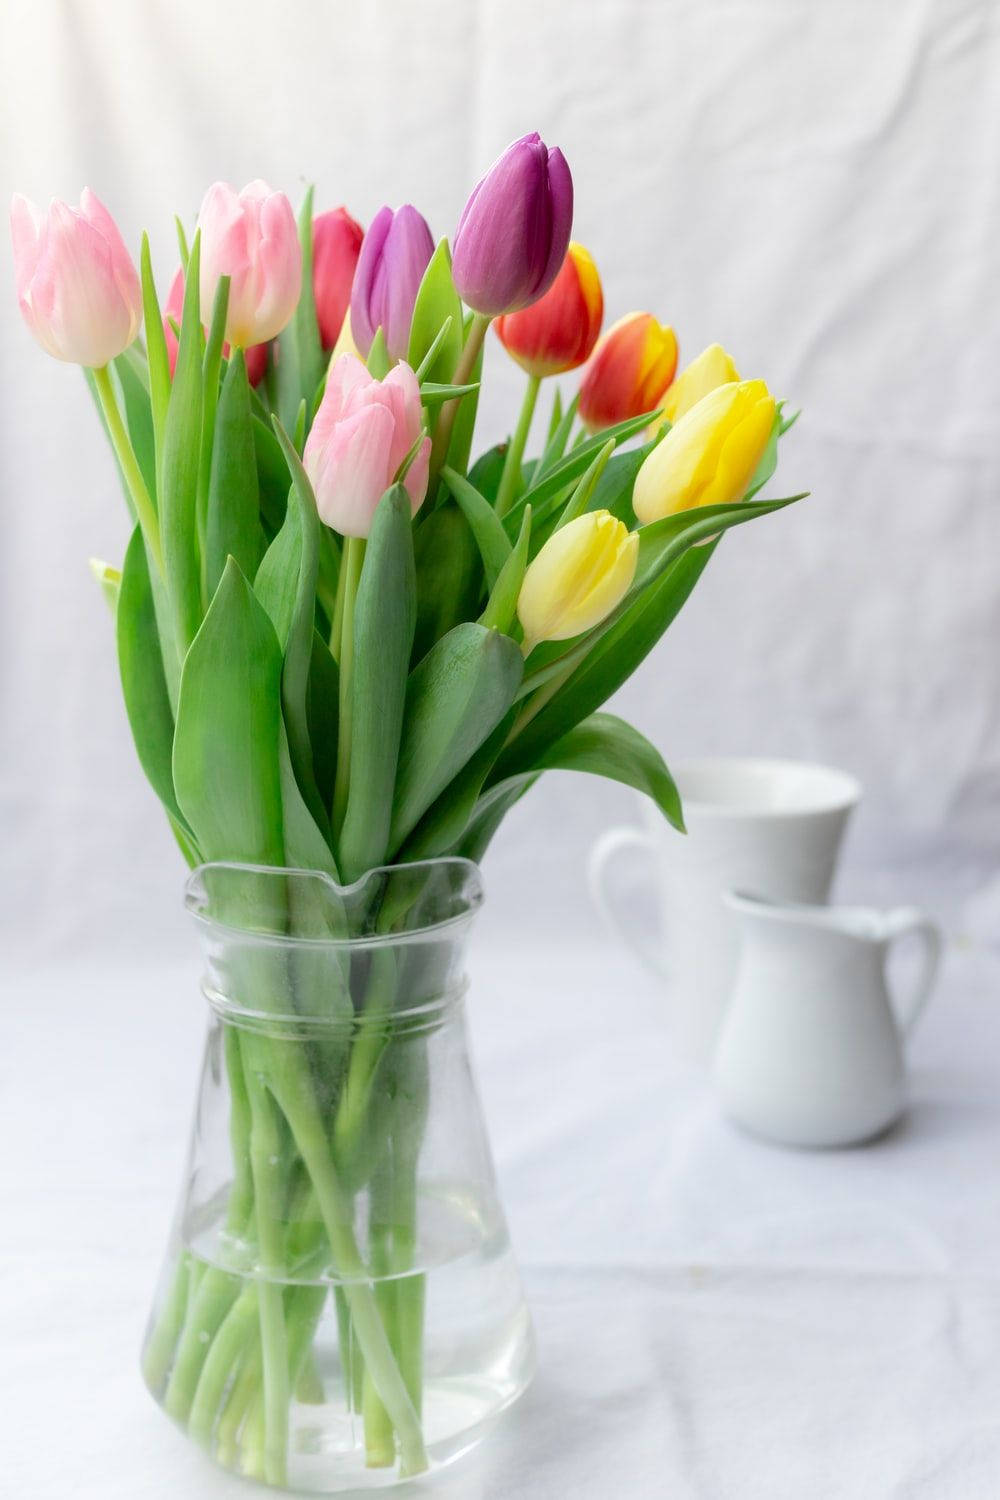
{"type": "Point", "coordinates": [716, 1318]}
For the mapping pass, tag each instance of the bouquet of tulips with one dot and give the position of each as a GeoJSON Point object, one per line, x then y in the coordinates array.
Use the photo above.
{"type": "Point", "coordinates": [345, 643]}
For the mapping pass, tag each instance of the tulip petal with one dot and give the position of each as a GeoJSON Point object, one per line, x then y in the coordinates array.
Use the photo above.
{"type": "Point", "coordinates": [352, 473]}
{"type": "Point", "coordinates": [372, 246]}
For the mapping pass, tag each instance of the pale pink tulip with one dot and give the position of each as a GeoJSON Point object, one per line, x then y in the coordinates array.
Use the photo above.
{"type": "Point", "coordinates": [252, 238]}
{"type": "Point", "coordinates": [173, 309]}
{"type": "Point", "coordinates": [363, 431]}
{"type": "Point", "coordinates": [77, 286]}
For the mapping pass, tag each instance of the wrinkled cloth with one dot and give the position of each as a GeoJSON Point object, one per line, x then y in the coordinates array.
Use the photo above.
{"type": "Point", "coordinates": [717, 1319]}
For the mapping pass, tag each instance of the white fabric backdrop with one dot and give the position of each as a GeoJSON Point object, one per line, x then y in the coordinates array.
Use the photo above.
{"type": "Point", "coordinates": [817, 186]}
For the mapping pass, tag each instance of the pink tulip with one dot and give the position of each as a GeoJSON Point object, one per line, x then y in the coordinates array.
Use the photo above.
{"type": "Point", "coordinates": [77, 286]}
{"type": "Point", "coordinates": [363, 431]}
{"type": "Point", "coordinates": [336, 247]}
{"type": "Point", "coordinates": [256, 355]}
{"type": "Point", "coordinates": [251, 237]}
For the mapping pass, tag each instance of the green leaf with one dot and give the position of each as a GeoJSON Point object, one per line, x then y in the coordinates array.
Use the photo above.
{"type": "Point", "coordinates": [277, 581]}
{"type": "Point", "coordinates": [486, 471]}
{"type": "Point", "coordinates": [613, 490]}
{"type": "Point", "coordinates": [437, 302]}
{"type": "Point", "coordinates": [297, 644]}
{"type": "Point", "coordinates": [611, 660]}
{"type": "Point", "coordinates": [490, 811]}
{"type": "Point", "coordinates": [232, 524]}
{"type": "Point", "coordinates": [487, 527]}
{"type": "Point", "coordinates": [300, 362]}
{"type": "Point", "coordinates": [226, 745]}
{"type": "Point", "coordinates": [544, 492]}
{"type": "Point", "coordinates": [179, 470]}
{"type": "Point", "coordinates": [378, 362]}
{"type": "Point", "coordinates": [272, 473]}
{"type": "Point", "coordinates": [460, 445]}
{"type": "Point", "coordinates": [323, 711]}
{"type": "Point", "coordinates": [501, 610]}
{"type": "Point", "coordinates": [449, 575]}
{"type": "Point", "coordinates": [606, 746]}
{"type": "Point", "coordinates": [144, 684]}
{"type": "Point", "coordinates": [211, 368]}
{"type": "Point", "coordinates": [306, 847]}
{"type": "Point", "coordinates": [580, 499]}
{"type": "Point", "coordinates": [437, 395]}
{"type": "Point", "coordinates": [662, 542]}
{"type": "Point", "coordinates": [426, 365]}
{"type": "Point", "coordinates": [156, 350]}
{"type": "Point", "coordinates": [385, 615]}
{"type": "Point", "coordinates": [455, 699]}
{"type": "Point", "coordinates": [559, 430]}
{"type": "Point", "coordinates": [182, 243]}
{"type": "Point", "coordinates": [138, 420]}
{"type": "Point", "coordinates": [446, 821]}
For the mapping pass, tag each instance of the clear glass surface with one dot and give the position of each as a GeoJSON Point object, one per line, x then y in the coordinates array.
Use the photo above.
{"type": "Point", "coordinates": [339, 1307]}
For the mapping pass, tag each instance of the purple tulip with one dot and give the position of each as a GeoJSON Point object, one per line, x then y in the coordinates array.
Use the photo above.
{"type": "Point", "coordinates": [394, 257]}
{"type": "Point", "coordinates": [514, 231]}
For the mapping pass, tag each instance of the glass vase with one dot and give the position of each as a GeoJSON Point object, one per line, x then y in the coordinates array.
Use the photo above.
{"type": "Point", "coordinates": [339, 1307]}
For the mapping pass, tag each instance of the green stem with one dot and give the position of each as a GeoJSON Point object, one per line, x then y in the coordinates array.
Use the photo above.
{"type": "Point", "coordinates": [267, 1167]}
{"type": "Point", "coordinates": [310, 1138]}
{"type": "Point", "coordinates": [449, 411]}
{"type": "Point", "coordinates": [224, 1351]}
{"type": "Point", "coordinates": [510, 478]}
{"type": "Point", "coordinates": [354, 556]}
{"type": "Point", "coordinates": [125, 453]}
{"type": "Point", "coordinates": [159, 1351]}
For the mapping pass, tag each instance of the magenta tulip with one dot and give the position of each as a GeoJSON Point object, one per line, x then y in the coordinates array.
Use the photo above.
{"type": "Point", "coordinates": [514, 231]}
{"type": "Point", "coordinates": [252, 238]}
{"type": "Point", "coordinates": [394, 257]}
{"type": "Point", "coordinates": [77, 286]}
{"type": "Point", "coordinates": [336, 246]}
{"type": "Point", "coordinates": [362, 433]}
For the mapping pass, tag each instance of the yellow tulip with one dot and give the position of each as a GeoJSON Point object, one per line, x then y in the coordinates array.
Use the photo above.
{"type": "Point", "coordinates": [712, 368]}
{"type": "Point", "coordinates": [710, 455]}
{"type": "Point", "coordinates": [583, 571]}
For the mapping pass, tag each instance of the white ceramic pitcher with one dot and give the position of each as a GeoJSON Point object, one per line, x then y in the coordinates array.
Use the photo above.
{"type": "Point", "coordinates": [811, 1051]}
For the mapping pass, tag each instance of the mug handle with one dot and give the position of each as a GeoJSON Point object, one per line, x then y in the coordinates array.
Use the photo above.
{"type": "Point", "coordinates": [616, 841]}
{"type": "Point", "coordinates": [906, 921]}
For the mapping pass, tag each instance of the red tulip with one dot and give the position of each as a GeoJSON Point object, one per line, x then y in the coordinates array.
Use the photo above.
{"type": "Point", "coordinates": [336, 247]}
{"type": "Point", "coordinates": [559, 331]}
{"type": "Point", "coordinates": [632, 367]}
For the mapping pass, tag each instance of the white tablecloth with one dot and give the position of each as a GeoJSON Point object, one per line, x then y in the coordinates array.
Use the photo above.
{"type": "Point", "coordinates": [716, 1318]}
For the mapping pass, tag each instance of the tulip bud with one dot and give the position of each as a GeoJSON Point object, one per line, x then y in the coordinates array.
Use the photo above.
{"type": "Point", "coordinates": [632, 366]}
{"type": "Point", "coordinates": [77, 285]}
{"type": "Point", "coordinates": [394, 256]}
{"type": "Point", "coordinates": [173, 310]}
{"type": "Point", "coordinates": [710, 455]}
{"type": "Point", "coordinates": [559, 331]}
{"type": "Point", "coordinates": [362, 433]}
{"type": "Point", "coordinates": [336, 246]}
{"type": "Point", "coordinates": [512, 237]}
{"type": "Point", "coordinates": [583, 571]}
{"type": "Point", "coordinates": [252, 238]}
{"type": "Point", "coordinates": [712, 368]}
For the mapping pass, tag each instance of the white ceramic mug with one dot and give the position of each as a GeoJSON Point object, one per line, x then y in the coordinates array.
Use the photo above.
{"type": "Point", "coordinates": [769, 826]}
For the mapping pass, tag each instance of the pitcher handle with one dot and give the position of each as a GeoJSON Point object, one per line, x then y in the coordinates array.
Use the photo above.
{"type": "Point", "coordinates": [606, 849]}
{"type": "Point", "coordinates": [907, 921]}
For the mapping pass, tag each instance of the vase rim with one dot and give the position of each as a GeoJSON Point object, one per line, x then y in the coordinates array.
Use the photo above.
{"type": "Point", "coordinates": [466, 895]}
